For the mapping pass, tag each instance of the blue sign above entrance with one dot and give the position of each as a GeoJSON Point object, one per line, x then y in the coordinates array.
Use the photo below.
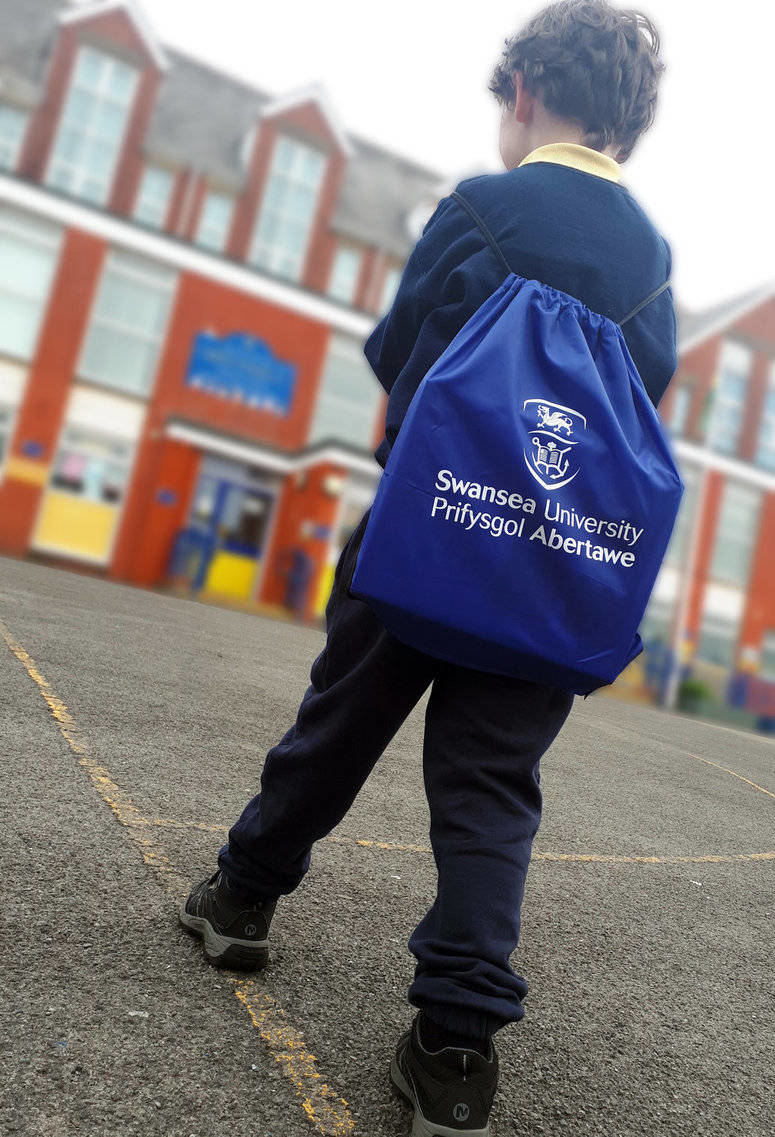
{"type": "Point", "coordinates": [242, 368]}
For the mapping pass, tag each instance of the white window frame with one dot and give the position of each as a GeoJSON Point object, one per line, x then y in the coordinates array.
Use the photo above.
{"type": "Point", "coordinates": [264, 255]}
{"type": "Point", "coordinates": [346, 348]}
{"type": "Point", "coordinates": [12, 410]}
{"type": "Point", "coordinates": [214, 247]}
{"type": "Point", "coordinates": [138, 275]}
{"type": "Point", "coordinates": [765, 451]}
{"type": "Point", "coordinates": [81, 176]}
{"type": "Point", "coordinates": [100, 436]}
{"type": "Point", "coordinates": [682, 403]}
{"type": "Point", "coordinates": [162, 205]}
{"type": "Point", "coordinates": [119, 506]}
{"type": "Point", "coordinates": [731, 487]}
{"type": "Point", "coordinates": [340, 286]}
{"type": "Point", "coordinates": [736, 358]}
{"type": "Point", "coordinates": [51, 241]}
{"type": "Point", "coordinates": [13, 148]}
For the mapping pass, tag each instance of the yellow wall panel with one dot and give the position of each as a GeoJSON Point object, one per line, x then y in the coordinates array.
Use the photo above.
{"type": "Point", "coordinates": [231, 575]}
{"type": "Point", "coordinates": [325, 584]}
{"type": "Point", "coordinates": [70, 524]}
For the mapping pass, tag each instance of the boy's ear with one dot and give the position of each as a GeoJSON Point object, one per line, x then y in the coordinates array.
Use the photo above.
{"type": "Point", "coordinates": [524, 102]}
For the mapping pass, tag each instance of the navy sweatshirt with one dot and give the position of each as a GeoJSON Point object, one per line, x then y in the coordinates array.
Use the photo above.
{"type": "Point", "coordinates": [562, 217]}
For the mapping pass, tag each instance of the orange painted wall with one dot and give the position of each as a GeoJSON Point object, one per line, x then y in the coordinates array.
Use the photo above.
{"type": "Point", "coordinates": [302, 500]}
{"type": "Point", "coordinates": [187, 225]}
{"type": "Point", "coordinates": [48, 385]}
{"type": "Point", "coordinates": [697, 367]}
{"type": "Point", "coordinates": [202, 305]}
{"type": "Point", "coordinates": [162, 489]}
{"type": "Point", "coordinates": [177, 201]}
{"type": "Point", "coordinates": [760, 609]}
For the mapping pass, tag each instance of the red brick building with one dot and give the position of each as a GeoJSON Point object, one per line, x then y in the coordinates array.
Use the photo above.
{"type": "Point", "coordinates": [714, 603]}
{"type": "Point", "coordinates": [189, 267]}
{"type": "Point", "coordinates": [183, 393]}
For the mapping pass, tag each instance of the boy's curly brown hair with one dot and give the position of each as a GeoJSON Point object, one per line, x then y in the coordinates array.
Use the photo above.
{"type": "Point", "coordinates": [590, 63]}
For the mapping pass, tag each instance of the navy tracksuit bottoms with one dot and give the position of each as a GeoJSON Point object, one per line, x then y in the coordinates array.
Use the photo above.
{"type": "Point", "coordinates": [484, 737]}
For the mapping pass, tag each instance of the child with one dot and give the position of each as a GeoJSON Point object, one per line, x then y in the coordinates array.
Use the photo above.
{"type": "Point", "coordinates": [577, 86]}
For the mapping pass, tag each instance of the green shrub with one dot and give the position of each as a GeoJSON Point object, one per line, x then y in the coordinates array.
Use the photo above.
{"type": "Point", "coordinates": [693, 693]}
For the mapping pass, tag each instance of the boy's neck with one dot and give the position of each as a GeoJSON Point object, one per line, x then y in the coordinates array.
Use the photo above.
{"type": "Point", "coordinates": [539, 139]}
{"type": "Point", "coordinates": [578, 157]}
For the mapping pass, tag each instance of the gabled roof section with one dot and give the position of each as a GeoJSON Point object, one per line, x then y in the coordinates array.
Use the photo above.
{"type": "Point", "coordinates": [313, 93]}
{"type": "Point", "coordinates": [26, 32]}
{"type": "Point", "coordinates": [696, 327]}
{"type": "Point", "coordinates": [133, 11]}
{"type": "Point", "coordinates": [378, 193]}
{"type": "Point", "coordinates": [201, 118]}
{"type": "Point", "coordinates": [202, 115]}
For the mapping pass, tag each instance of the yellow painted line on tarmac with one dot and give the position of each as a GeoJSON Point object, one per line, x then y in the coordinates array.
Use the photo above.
{"type": "Point", "coordinates": [325, 1110]}
{"type": "Point", "coordinates": [124, 811]}
{"type": "Point", "coordinates": [390, 846]}
{"type": "Point", "coordinates": [577, 858]}
{"type": "Point", "coordinates": [622, 729]}
{"type": "Point", "coordinates": [327, 1113]}
{"type": "Point", "coordinates": [733, 773]}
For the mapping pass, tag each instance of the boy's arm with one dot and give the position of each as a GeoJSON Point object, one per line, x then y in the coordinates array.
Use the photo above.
{"type": "Point", "coordinates": [430, 299]}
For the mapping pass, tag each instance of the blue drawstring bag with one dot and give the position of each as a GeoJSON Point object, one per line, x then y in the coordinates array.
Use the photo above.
{"type": "Point", "coordinates": [528, 500]}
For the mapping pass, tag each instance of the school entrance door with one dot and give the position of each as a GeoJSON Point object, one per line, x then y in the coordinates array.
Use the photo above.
{"type": "Point", "coordinates": [221, 549]}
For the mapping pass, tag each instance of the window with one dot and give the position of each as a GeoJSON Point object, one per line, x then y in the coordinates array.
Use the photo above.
{"type": "Point", "coordinates": [12, 126]}
{"type": "Point", "coordinates": [128, 324]}
{"type": "Point", "coordinates": [92, 466]}
{"type": "Point", "coordinates": [348, 397]}
{"type": "Point", "coordinates": [768, 656]}
{"type": "Point", "coordinates": [765, 455]}
{"type": "Point", "coordinates": [92, 126]}
{"type": "Point", "coordinates": [717, 641]}
{"type": "Point", "coordinates": [344, 274]}
{"type": "Point", "coordinates": [389, 288]}
{"type": "Point", "coordinates": [213, 229]}
{"type": "Point", "coordinates": [736, 534]}
{"type": "Point", "coordinates": [287, 211]}
{"type": "Point", "coordinates": [729, 400]}
{"type": "Point", "coordinates": [681, 405]}
{"type": "Point", "coordinates": [28, 254]}
{"type": "Point", "coordinates": [6, 425]}
{"type": "Point", "coordinates": [678, 549]}
{"type": "Point", "coordinates": [153, 197]}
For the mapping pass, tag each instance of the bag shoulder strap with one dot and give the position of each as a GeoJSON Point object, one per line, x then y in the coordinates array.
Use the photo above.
{"type": "Point", "coordinates": [483, 228]}
{"type": "Point", "coordinates": [480, 224]}
{"type": "Point", "coordinates": [645, 303]}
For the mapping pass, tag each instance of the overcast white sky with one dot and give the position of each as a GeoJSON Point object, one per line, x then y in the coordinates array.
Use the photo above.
{"type": "Point", "coordinates": [412, 75]}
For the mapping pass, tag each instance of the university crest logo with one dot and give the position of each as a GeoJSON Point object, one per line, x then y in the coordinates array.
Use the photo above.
{"type": "Point", "coordinates": [554, 436]}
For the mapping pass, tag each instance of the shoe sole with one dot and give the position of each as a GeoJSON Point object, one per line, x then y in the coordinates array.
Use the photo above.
{"type": "Point", "coordinates": [221, 951]}
{"type": "Point", "coordinates": [421, 1127]}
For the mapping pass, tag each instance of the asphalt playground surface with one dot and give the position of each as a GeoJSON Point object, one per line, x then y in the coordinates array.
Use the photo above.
{"type": "Point", "coordinates": [133, 727]}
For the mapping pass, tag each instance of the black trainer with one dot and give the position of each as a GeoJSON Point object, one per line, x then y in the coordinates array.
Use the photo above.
{"type": "Point", "coordinates": [234, 930]}
{"type": "Point", "coordinates": [451, 1090]}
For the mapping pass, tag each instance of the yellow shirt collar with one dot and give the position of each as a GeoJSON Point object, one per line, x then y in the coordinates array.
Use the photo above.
{"type": "Point", "coordinates": [578, 158]}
